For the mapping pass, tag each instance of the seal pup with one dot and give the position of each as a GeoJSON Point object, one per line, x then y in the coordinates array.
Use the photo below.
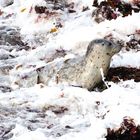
{"type": "Point", "coordinates": [83, 71]}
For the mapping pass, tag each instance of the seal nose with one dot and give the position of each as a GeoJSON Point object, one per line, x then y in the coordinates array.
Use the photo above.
{"type": "Point", "coordinates": [116, 48]}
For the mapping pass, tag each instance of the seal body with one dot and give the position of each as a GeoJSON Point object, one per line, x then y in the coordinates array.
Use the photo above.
{"type": "Point", "coordinates": [83, 71]}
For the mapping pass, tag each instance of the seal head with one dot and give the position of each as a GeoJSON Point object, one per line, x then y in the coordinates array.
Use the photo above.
{"type": "Point", "coordinates": [98, 55]}
{"type": "Point", "coordinates": [110, 47]}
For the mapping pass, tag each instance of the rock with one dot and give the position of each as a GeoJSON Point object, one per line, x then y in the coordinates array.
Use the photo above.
{"type": "Point", "coordinates": [10, 36]}
{"type": "Point", "coordinates": [5, 3]}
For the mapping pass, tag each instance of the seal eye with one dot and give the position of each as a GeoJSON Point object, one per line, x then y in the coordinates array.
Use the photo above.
{"type": "Point", "coordinates": [110, 44]}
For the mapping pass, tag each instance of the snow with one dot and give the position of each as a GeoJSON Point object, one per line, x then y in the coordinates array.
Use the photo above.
{"type": "Point", "coordinates": [64, 113]}
{"type": "Point", "coordinates": [127, 59]}
{"type": "Point", "coordinates": [83, 115]}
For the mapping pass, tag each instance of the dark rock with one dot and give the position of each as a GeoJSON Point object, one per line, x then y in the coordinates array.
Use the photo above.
{"type": "Point", "coordinates": [10, 36]}
{"type": "Point", "coordinates": [5, 55]}
{"type": "Point", "coordinates": [114, 74]}
{"type": "Point", "coordinates": [5, 132]}
{"type": "Point", "coordinates": [127, 131]}
{"type": "Point", "coordinates": [111, 9]}
{"type": "Point", "coordinates": [95, 3]}
{"type": "Point", "coordinates": [40, 9]}
{"type": "Point", "coordinates": [7, 3]}
{"type": "Point", "coordinates": [5, 88]}
{"type": "Point", "coordinates": [71, 11]}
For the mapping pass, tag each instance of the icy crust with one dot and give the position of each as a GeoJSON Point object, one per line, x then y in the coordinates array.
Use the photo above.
{"type": "Point", "coordinates": [60, 113]}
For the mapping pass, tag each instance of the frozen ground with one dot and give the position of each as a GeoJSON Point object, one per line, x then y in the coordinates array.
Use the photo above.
{"type": "Point", "coordinates": [29, 40]}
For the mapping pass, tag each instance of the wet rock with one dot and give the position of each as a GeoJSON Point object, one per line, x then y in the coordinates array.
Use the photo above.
{"type": "Point", "coordinates": [5, 3]}
{"type": "Point", "coordinates": [24, 79]}
{"type": "Point", "coordinates": [124, 73]}
{"type": "Point", "coordinates": [5, 132]}
{"type": "Point", "coordinates": [112, 9]}
{"type": "Point", "coordinates": [10, 36]}
{"type": "Point", "coordinates": [57, 4]}
{"type": "Point", "coordinates": [133, 44]}
{"type": "Point", "coordinates": [5, 70]}
{"type": "Point", "coordinates": [6, 65]}
{"type": "Point", "coordinates": [128, 130]}
{"type": "Point", "coordinates": [5, 88]}
{"type": "Point", "coordinates": [5, 54]}
{"type": "Point", "coordinates": [40, 9]}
